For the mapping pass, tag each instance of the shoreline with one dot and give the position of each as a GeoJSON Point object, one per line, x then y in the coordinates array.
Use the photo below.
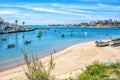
{"type": "Point", "coordinates": [27, 30]}
{"type": "Point", "coordinates": [43, 56]}
{"type": "Point", "coordinates": [72, 53]}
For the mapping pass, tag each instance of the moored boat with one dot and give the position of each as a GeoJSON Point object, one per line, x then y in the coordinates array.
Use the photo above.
{"type": "Point", "coordinates": [101, 43]}
{"type": "Point", "coordinates": [115, 39]}
{"type": "Point", "coordinates": [3, 39]}
{"type": "Point", "coordinates": [39, 34]}
{"type": "Point", "coordinates": [62, 35]}
{"type": "Point", "coordinates": [27, 41]}
{"type": "Point", "coordinates": [10, 45]}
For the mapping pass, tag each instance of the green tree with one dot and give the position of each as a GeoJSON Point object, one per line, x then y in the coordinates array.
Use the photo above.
{"type": "Point", "coordinates": [16, 21]}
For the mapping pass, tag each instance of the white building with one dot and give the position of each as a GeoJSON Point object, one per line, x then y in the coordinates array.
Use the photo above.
{"type": "Point", "coordinates": [4, 25]}
{"type": "Point", "coordinates": [1, 20]}
{"type": "Point", "coordinates": [12, 25]}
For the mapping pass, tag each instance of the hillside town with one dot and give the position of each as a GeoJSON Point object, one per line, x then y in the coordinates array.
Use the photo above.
{"type": "Point", "coordinates": [100, 24]}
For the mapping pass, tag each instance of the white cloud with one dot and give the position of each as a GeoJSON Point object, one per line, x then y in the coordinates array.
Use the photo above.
{"type": "Point", "coordinates": [86, 7]}
{"type": "Point", "coordinates": [55, 4]}
{"type": "Point", "coordinates": [75, 6]}
{"type": "Point", "coordinates": [8, 12]}
{"type": "Point", "coordinates": [55, 12]}
{"type": "Point", "coordinates": [109, 7]}
{"type": "Point", "coordinates": [82, 11]}
{"type": "Point", "coordinates": [48, 10]}
{"type": "Point", "coordinates": [101, 0]}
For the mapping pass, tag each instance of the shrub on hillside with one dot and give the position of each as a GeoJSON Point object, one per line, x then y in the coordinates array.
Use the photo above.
{"type": "Point", "coordinates": [101, 71]}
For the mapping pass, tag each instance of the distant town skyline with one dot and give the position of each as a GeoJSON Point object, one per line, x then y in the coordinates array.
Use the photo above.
{"type": "Point", "coordinates": [35, 12]}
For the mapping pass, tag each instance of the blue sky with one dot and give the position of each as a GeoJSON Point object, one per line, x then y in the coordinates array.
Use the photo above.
{"type": "Point", "coordinates": [58, 11]}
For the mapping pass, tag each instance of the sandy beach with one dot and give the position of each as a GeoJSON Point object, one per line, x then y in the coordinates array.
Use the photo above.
{"type": "Point", "coordinates": [70, 61]}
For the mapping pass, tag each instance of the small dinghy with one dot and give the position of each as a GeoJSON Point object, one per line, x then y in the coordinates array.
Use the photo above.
{"type": "Point", "coordinates": [62, 35]}
{"type": "Point", "coordinates": [11, 45]}
{"type": "Point", "coordinates": [3, 39]}
{"type": "Point", "coordinates": [39, 34]}
{"type": "Point", "coordinates": [27, 41]}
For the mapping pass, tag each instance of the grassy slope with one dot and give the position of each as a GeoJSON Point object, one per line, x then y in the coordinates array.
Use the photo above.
{"type": "Point", "coordinates": [100, 71]}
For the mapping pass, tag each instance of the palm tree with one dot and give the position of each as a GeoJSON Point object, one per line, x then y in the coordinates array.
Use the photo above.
{"type": "Point", "coordinates": [23, 23]}
{"type": "Point", "coordinates": [16, 21]}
